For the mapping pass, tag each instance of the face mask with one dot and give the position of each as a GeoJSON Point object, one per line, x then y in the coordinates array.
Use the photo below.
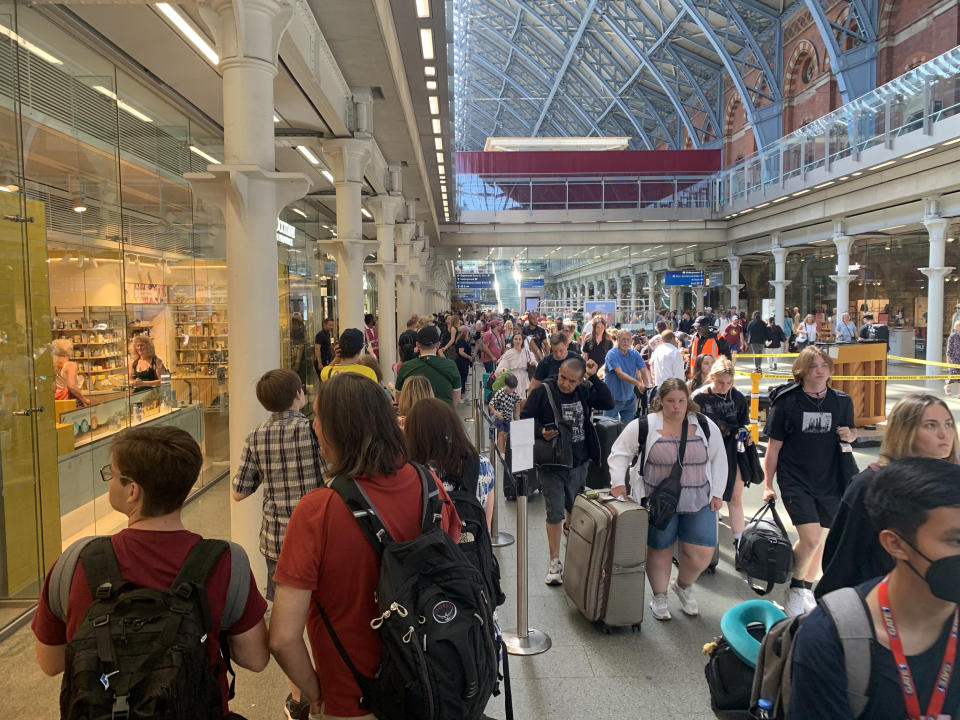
{"type": "Point", "coordinates": [942, 576]}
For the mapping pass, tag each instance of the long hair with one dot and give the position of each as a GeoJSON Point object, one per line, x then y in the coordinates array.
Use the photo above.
{"type": "Point", "coordinates": [902, 425]}
{"type": "Point", "coordinates": [415, 389]}
{"type": "Point", "coordinates": [699, 377]}
{"type": "Point", "coordinates": [668, 386]}
{"type": "Point", "coordinates": [435, 437]}
{"type": "Point", "coordinates": [805, 360]}
{"type": "Point", "coordinates": [358, 421]}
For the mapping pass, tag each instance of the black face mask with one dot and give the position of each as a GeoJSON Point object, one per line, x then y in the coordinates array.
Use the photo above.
{"type": "Point", "coordinates": [942, 576]}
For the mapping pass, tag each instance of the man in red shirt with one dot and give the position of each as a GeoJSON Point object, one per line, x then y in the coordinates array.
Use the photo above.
{"type": "Point", "coordinates": [371, 335]}
{"type": "Point", "coordinates": [327, 559]}
{"type": "Point", "coordinates": [151, 473]}
{"type": "Point", "coordinates": [492, 345]}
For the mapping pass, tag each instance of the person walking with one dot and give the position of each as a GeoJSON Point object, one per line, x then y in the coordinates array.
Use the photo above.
{"type": "Point", "coordinates": [674, 415]}
{"type": "Point", "coordinates": [809, 425]}
{"type": "Point", "coordinates": [953, 357]}
{"type": "Point", "coordinates": [575, 393]}
{"type": "Point", "coordinates": [757, 337]}
{"type": "Point", "coordinates": [807, 332]}
{"type": "Point", "coordinates": [774, 344]}
{"type": "Point", "coordinates": [516, 360]}
{"type": "Point", "coordinates": [626, 376]}
{"type": "Point", "coordinates": [919, 425]}
{"type": "Point", "coordinates": [846, 330]}
{"type": "Point", "coordinates": [597, 345]}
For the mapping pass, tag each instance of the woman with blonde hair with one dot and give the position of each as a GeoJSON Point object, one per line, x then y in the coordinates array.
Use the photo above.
{"type": "Point", "coordinates": [66, 383]}
{"type": "Point", "coordinates": [919, 425]}
{"type": "Point", "coordinates": [415, 389]}
{"type": "Point", "coordinates": [146, 368]}
{"type": "Point", "coordinates": [704, 476]}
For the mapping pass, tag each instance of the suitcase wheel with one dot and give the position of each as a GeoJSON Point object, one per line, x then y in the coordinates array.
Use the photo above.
{"type": "Point", "coordinates": [635, 627]}
{"type": "Point", "coordinates": [712, 570]}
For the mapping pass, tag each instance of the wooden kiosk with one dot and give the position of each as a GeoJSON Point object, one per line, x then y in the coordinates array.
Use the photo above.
{"type": "Point", "coordinates": [861, 360]}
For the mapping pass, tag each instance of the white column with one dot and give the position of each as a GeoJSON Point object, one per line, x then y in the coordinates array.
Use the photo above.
{"type": "Point", "coordinates": [843, 276]}
{"type": "Point", "coordinates": [698, 294]}
{"type": "Point", "coordinates": [652, 295]}
{"type": "Point", "coordinates": [735, 285]}
{"type": "Point", "coordinates": [780, 282]}
{"type": "Point", "coordinates": [402, 234]}
{"type": "Point", "coordinates": [250, 194]}
{"type": "Point", "coordinates": [674, 299]}
{"type": "Point", "coordinates": [385, 209]}
{"type": "Point", "coordinates": [349, 158]}
{"type": "Point", "coordinates": [935, 272]}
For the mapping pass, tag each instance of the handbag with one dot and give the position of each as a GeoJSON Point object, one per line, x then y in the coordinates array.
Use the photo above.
{"type": "Point", "coordinates": [556, 453]}
{"type": "Point", "coordinates": [765, 551]}
{"type": "Point", "coordinates": [531, 365]}
{"type": "Point", "coordinates": [662, 502]}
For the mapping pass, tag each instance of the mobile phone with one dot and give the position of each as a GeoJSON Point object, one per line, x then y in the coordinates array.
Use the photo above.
{"type": "Point", "coordinates": [551, 426]}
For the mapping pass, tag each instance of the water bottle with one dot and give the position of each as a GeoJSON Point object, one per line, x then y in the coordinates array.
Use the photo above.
{"type": "Point", "coordinates": [764, 709]}
{"type": "Point", "coordinates": [741, 440]}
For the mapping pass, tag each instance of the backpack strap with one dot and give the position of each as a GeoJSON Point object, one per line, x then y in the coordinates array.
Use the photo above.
{"type": "Point", "coordinates": [61, 577]}
{"type": "Point", "coordinates": [101, 567]}
{"type": "Point", "coordinates": [855, 630]}
{"type": "Point", "coordinates": [358, 502]}
{"type": "Point", "coordinates": [192, 579]}
{"type": "Point", "coordinates": [432, 504]}
{"type": "Point", "coordinates": [549, 386]}
{"type": "Point", "coordinates": [704, 425]}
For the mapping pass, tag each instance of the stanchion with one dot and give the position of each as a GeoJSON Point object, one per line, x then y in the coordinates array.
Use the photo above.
{"type": "Point", "coordinates": [499, 539]}
{"type": "Point", "coordinates": [526, 641]}
{"type": "Point", "coordinates": [755, 406]}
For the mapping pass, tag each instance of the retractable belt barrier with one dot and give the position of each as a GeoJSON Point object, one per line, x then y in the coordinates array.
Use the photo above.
{"type": "Point", "coordinates": [526, 640]}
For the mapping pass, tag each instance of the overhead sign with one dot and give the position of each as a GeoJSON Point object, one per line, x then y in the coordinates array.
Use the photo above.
{"type": "Point", "coordinates": [286, 233]}
{"type": "Point", "coordinates": [715, 278]}
{"type": "Point", "coordinates": [529, 283]}
{"type": "Point", "coordinates": [684, 277]}
{"type": "Point", "coordinates": [475, 281]}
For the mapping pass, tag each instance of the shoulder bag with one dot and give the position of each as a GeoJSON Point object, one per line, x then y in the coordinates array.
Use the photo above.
{"type": "Point", "coordinates": [531, 365]}
{"type": "Point", "coordinates": [662, 502]}
{"type": "Point", "coordinates": [556, 453]}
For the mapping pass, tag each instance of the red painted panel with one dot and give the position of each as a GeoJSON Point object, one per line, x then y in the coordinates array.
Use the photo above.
{"type": "Point", "coordinates": [609, 162]}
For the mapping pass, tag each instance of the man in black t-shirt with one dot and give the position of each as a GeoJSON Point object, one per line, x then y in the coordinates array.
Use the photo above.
{"type": "Point", "coordinates": [872, 330]}
{"type": "Point", "coordinates": [809, 426]}
{"type": "Point", "coordinates": [916, 504]}
{"type": "Point", "coordinates": [549, 366]}
{"type": "Point", "coordinates": [538, 332]}
{"type": "Point", "coordinates": [323, 346]}
{"type": "Point", "coordinates": [407, 342]}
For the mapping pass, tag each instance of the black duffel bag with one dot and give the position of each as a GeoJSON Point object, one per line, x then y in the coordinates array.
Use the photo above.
{"type": "Point", "coordinates": [729, 678]}
{"type": "Point", "coordinates": [764, 551]}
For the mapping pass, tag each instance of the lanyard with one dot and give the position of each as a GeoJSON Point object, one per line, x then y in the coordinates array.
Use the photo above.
{"type": "Point", "coordinates": [903, 668]}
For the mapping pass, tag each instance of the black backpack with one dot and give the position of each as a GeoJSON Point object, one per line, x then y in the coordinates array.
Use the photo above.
{"type": "Point", "coordinates": [439, 657]}
{"type": "Point", "coordinates": [764, 551]}
{"type": "Point", "coordinates": [141, 652]}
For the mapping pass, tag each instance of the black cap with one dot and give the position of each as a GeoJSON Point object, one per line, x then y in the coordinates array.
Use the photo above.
{"type": "Point", "coordinates": [428, 335]}
{"type": "Point", "coordinates": [351, 342]}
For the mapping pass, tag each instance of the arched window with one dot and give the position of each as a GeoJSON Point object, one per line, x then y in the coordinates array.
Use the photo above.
{"type": "Point", "coordinates": [806, 74]}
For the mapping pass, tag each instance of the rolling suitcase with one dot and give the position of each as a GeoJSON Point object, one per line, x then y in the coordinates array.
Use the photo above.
{"type": "Point", "coordinates": [598, 476]}
{"type": "Point", "coordinates": [604, 571]}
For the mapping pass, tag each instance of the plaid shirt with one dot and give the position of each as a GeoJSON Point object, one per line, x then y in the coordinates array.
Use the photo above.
{"type": "Point", "coordinates": [283, 454]}
{"type": "Point", "coordinates": [505, 401]}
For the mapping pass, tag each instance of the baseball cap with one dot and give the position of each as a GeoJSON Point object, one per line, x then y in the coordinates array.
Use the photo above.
{"type": "Point", "coordinates": [428, 335]}
{"type": "Point", "coordinates": [351, 342]}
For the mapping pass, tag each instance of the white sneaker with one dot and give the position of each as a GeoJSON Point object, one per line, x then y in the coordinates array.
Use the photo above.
{"type": "Point", "coordinates": [660, 607]}
{"type": "Point", "coordinates": [554, 573]}
{"type": "Point", "coordinates": [795, 602]}
{"type": "Point", "coordinates": [688, 603]}
{"type": "Point", "coordinates": [809, 601]}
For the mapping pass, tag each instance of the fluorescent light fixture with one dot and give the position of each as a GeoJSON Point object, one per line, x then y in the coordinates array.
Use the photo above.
{"type": "Point", "coordinates": [892, 227]}
{"type": "Point", "coordinates": [299, 212]}
{"type": "Point", "coordinates": [917, 153]}
{"type": "Point", "coordinates": [435, 123]}
{"type": "Point", "coordinates": [438, 142]}
{"type": "Point", "coordinates": [310, 157]}
{"type": "Point", "coordinates": [951, 142]}
{"type": "Point", "coordinates": [756, 208]}
{"type": "Point", "coordinates": [8, 188]}
{"type": "Point", "coordinates": [858, 173]}
{"type": "Point", "coordinates": [423, 8]}
{"type": "Point", "coordinates": [781, 199]}
{"type": "Point", "coordinates": [841, 179]}
{"type": "Point", "coordinates": [366, 213]}
{"type": "Point", "coordinates": [328, 175]}
{"type": "Point", "coordinates": [888, 163]}
{"type": "Point", "coordinates": [29, 46]}
{"type": "Point", "coordinates": [121, 104]}
{"type": "Point", "coordinates": [186, 29]}
{"type": "Point", "coordinates": [434, 104]}
{"type": "Point", "coordinates": [431, 84]}
{"type": "Point", "coordinates": [426, 43]}
{"type": "Point", "coordinates": [430, 71]}
{"type": "Point", "coordinates": [748, 210]}
{"type": "Point", "coordinates": [440, 159]}
{"type": "Point", "coordinates": [276, 119]}
{"type": "Point", "coordinates": [801, 192]}
{"type": "Point", "coordinates": [209, 158]}
{"type": "Point", "coordinates": [823, 185]}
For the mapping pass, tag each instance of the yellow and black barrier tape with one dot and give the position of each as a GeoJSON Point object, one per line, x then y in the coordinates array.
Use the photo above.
{"type": "Point", "coordinates": [766, 355]}
{"type": "Point", "coordinates": [923, 362]}
{"type": "Point", "coordinates": [842, 378]}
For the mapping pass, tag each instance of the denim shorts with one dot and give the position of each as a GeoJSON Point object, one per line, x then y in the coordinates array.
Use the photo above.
{"type": "Point", "coordinates": [560, 487]}
{"type": "Point", "coordinates": [699, 528]}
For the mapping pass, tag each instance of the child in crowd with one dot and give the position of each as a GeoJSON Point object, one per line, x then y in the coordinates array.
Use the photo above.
{"type": "Point", "coordinates": [505, 406]}
{"type": "Point", "coordinates": [282, 454]}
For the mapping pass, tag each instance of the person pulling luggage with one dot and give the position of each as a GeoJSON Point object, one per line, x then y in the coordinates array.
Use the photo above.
{"type": "Point", "coordinates": [658, 441]}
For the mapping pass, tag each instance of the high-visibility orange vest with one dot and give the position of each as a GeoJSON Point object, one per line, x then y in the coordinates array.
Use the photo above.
{"type": "Point", "coordinates": [709, 347]}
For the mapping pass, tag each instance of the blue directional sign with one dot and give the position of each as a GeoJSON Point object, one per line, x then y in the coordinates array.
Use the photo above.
{"type": "Point", "coordinates": [684, 277]}
{"type": "Point", "coordinates": [530, 283]}
{"type": "Point", "coordinates": [475, 281]}
{"type": "Point", "coordinates": [715, 279]}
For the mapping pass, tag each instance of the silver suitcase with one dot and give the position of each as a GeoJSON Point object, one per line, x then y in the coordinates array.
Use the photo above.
{"type": "Point", "coordinates": [604, 571]}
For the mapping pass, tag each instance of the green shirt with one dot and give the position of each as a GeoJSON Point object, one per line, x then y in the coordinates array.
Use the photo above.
{"type": "Point", "coordinates": [443, 375]}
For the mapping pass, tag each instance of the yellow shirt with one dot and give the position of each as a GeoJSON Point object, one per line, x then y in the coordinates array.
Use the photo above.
{"type": "Point", "coordinates": [335, 369]}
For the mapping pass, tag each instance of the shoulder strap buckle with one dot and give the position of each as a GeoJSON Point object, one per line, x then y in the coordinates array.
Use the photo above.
{"type": "Point", "coordinates": [104, 590]}
{"type": "Point", "coordinates": [101, 621]}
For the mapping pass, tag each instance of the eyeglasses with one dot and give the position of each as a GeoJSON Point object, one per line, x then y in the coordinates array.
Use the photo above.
{"type": "Point", "coordinates": [106, 473]}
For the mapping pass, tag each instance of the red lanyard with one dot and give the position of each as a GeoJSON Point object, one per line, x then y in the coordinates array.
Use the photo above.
{"type": "Point", "coordinates": [906, 677]}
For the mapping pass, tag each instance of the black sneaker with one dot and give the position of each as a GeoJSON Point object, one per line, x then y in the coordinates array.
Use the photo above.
{"type": "Point", "coordinates": [295, 710]}
{"type": "Point", "coordinates": [736, 555]}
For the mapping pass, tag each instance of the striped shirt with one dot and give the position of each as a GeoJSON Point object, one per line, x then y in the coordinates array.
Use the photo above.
{"type": "Point", "coordinates": [283, 454]}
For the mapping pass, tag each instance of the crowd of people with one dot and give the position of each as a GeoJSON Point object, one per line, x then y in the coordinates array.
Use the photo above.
{"type": "Point", "coordinates": [673, 398]}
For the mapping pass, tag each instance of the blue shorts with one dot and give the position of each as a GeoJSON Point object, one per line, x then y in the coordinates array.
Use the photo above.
{"type": "Point", "coordinates": [699, 528]}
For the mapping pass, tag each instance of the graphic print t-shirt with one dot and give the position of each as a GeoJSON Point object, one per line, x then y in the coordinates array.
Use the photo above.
{"type": "Point", "coordinates": [571, 410]}
{"type": "Point", "coordinates": [810, 455]}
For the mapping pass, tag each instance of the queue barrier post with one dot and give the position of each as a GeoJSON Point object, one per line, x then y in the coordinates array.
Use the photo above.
{"type": "Point", "coordinates": [498, 538]}
{"type": "Point", "coordinates": [755, 406]}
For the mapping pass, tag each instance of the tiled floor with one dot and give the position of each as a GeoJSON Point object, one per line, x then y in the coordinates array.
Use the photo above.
{"type": "Point", "coordinates": [656, 673]}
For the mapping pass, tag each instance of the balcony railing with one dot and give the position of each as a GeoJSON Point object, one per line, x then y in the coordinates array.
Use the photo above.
{"type": "Point", "coordinates": [912, 102]}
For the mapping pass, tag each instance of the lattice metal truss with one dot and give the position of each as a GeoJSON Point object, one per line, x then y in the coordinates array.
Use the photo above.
{"type": "Point", "coordinates": [653, 70]}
